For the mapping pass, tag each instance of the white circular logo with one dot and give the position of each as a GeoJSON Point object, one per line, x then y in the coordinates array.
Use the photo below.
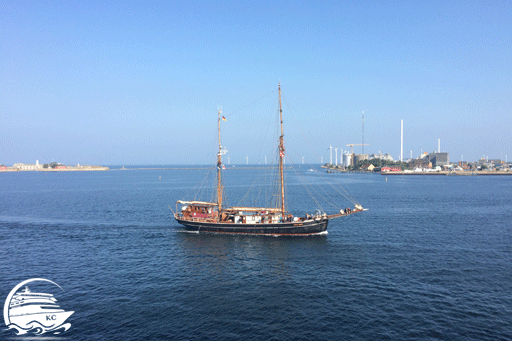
{"type": "Point", "coordinates": [34, 312]}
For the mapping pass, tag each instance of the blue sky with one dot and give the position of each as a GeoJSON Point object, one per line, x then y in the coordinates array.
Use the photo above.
{"type": "Point", "coordinates": [140, 82]}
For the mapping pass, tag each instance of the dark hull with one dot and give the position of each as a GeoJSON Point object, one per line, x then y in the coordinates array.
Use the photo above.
{"type": "Point", "coordinates": [291, 229]}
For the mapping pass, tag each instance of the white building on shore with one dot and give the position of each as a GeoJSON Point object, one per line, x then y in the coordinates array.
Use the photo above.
{"type": "Point", "coordinates": [22, 166]}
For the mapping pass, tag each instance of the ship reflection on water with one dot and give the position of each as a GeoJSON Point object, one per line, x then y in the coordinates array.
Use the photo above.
{"type": "Point", "coordinates": [254, 255]}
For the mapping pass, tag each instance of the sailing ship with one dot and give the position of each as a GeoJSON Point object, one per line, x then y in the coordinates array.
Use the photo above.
{"type": "Point", "coordinates": [213, 217]}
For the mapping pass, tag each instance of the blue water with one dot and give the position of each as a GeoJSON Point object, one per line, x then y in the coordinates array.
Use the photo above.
{"type": "Point", "coordinates": [430, 260]}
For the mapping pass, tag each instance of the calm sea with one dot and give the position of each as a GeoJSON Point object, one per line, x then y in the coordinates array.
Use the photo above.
{"type": "Point", "coordinates": [430, 260]}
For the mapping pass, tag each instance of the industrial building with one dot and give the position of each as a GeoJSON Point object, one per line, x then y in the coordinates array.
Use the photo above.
{"type": "Point", "coordinates": [439, 159]}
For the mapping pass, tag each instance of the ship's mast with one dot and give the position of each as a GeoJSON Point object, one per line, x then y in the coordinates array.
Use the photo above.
{"type": "Point", "coordinates": [219, 165]}
{"type": "Point", "coordinates": [281, 152]}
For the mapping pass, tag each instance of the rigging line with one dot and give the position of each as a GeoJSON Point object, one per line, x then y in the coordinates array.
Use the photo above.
{"type": "Point", "coordinates": [248, 105]}
{"type": "Point", "coordinates": [327, 199]}
{"type": "Point", "coordinates": [259, 180]}
{"type": "Point", "coordinates": [201, 185]}
{"type": "Point", "coordinates": [306, 186]}
{"type": "Point", "coordinates": [244, 197]}
{"type": "Point", "coordinates": [302, 132]}
{"type": "Point", "coordinates": [348, 196]}
{"type": "Point", "coordinates": [331, 201]}
{"type": "Point", "coordinates": [266, 173]}
{"type": "Point", "coordinates": [199, 190]}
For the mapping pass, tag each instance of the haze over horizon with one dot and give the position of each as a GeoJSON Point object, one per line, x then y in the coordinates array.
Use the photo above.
{"type": "Point", "coordinates": [131, 83]}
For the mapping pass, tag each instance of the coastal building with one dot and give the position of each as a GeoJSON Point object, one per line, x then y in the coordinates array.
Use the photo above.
{"type": "Point", "coordinates": [495, 161]}
{"type": "Point", "coordinates": [391, 169]}
{"type": "Point", "coordinates": [420, 163]}
{"type": "Point", "coordinates": [27, 167]}
{"type": "Point", "coordinates": [438, 159]}
{"type": "Point", "coordinates": [380, 156]}
{"type": "Point", "coordinates": [368, 167]}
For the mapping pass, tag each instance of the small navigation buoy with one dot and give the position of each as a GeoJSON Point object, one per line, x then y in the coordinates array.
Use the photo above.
{"type": "Point", "coordinates": [159, 177]}
{"type": "Point", "coordinates": [386, 179]}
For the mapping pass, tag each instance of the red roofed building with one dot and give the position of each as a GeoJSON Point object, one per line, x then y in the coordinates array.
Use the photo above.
{"type": "Point", "coordinates": [391, 169]}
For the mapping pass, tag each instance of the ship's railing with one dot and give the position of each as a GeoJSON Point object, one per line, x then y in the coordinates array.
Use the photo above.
{"type": "Point", "coordinates": [203, 220]}
{"type": "Point", "coordinates": [344, 213]}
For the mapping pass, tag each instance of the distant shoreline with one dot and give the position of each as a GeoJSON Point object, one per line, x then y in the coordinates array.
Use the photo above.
{"type": "Point", "coordinates": [454, 173]}
{"type": "Point", "coordinates": [67, 169]}
{"type": "Point", "coordinates": [102, 168]}
{"type": "Point", "coordinates": [191, 168]}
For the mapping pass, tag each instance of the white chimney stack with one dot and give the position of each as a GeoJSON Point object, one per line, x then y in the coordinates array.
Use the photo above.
{"type": "Point", "coordinates": [401, 140]}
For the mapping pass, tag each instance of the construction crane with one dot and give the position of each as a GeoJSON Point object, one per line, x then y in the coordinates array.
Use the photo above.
{"type": "Point", "coordinates": [351, 145]}
{"type": "Point", "coordinates": [355, 144]}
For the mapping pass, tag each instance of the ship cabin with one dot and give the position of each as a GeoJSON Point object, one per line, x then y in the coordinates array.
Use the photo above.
{"type": "Point", "coordinates": [251, 215]}
{"type": "Point", "coordinates": [198, 210]}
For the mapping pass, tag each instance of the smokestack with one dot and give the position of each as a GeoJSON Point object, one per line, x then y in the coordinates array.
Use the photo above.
{"type": "Point", "coordinates": [439, 145]}
{"type": "Point", "coordinates": [363, 134]}
{"type": "Point", "coordinates": [401, 140]}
